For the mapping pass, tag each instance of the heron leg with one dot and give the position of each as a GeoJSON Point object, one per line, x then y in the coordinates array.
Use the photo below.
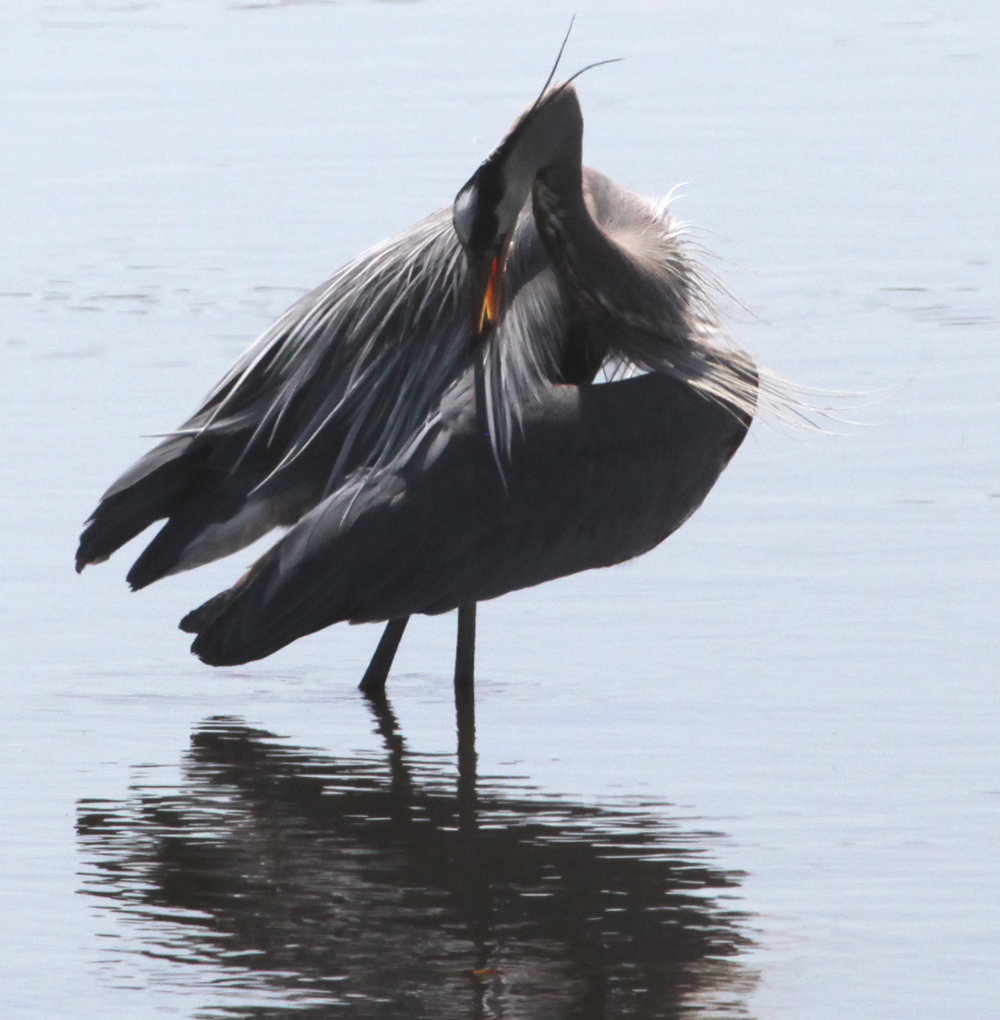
{"type": "Point", "coordinates": [465, 647]}
{"type": "Point", "coordinates": [378, 668]}
{"type": "Point", "coordinates": [465, 717]}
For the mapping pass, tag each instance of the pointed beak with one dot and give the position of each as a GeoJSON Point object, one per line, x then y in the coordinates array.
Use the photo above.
{"type": "Point", "coordinates": [487, 290]}
{"type": "Point", "coordinates": [490, 305]}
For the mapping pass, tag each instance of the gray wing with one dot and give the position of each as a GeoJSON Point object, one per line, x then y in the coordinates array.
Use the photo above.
{"type": "Point", "coordinates": [342, 380]}
{"type": "Point", "coordinates": [595, 475]}
{"type": "Point", "coordinates": [345, 378]}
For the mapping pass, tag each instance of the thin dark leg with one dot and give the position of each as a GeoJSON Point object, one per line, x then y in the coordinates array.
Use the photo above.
{"type": "Point", "coordinates": [465, 718]}
{"type": "Point", "coordinates": [465, 715]}
{"type": "Point", "coordinates": [378, 668]}
{"type": "Point", "coordinates": [465, 648]}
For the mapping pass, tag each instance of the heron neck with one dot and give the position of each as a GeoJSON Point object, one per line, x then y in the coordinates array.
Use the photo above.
{"type": "Point", "coordinates": [583, 254]}
{"type": "Point", "coordinates": [621, 287]}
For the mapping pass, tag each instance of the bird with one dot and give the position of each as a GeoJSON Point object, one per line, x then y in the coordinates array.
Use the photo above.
{"type": "Point", "coordinates": [526, 384]}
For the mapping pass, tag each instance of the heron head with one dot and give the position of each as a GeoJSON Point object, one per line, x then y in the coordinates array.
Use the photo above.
{"type": "Point", "coordinates": [487, 208]}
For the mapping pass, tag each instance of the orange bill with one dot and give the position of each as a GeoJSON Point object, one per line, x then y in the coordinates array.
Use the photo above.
{"type": "Point", "coordinates": [491, 299]}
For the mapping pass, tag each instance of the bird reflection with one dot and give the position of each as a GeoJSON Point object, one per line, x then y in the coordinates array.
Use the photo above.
{"type": "Point", "coordinates": [376, 886]}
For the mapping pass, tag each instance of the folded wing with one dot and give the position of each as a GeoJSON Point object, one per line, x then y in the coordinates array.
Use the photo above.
{"type": "Point", "coordinates": [596, 475]}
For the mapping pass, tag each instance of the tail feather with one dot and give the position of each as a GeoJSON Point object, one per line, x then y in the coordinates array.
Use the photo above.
{"type": "Point", "coordinates": [148, 492]}
{"type": "Point", "coordinates": [190, 481]}
{"type": "Point", "coordinates": [211, 503]}
{"type": "Point", "coordinates": [228, 628]}
{"type": "Point", "coordinates": [208, 612]}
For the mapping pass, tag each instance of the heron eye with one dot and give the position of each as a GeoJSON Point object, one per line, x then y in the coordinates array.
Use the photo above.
{"type": "Point", "coordinates": [464, 215]}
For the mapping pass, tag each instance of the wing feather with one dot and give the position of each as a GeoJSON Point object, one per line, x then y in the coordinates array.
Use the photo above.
{"type": "Point", "coordinates": [599, 474]}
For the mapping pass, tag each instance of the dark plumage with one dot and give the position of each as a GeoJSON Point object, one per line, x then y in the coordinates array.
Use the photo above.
{"type": "Point", "coordinates": [598, 475]}
{"type": "Point", "coordinates": [429, 416]}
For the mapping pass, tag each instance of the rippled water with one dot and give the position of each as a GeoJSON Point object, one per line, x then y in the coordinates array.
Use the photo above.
{"type": "Point", "coordinates": [753, 773]}
{"type": "Point", "coordinates": [374, 882]}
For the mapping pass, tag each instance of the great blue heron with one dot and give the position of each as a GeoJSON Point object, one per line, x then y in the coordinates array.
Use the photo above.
{"type": "Point", "coordinates": [428, 420]}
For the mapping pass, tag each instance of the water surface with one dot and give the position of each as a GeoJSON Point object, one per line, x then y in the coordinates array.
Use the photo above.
{"type": "Point", "coordinates": [785, 718]}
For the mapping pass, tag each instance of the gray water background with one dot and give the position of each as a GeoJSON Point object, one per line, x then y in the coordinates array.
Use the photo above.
{"type": "Point", "coordinates": [809, 668]}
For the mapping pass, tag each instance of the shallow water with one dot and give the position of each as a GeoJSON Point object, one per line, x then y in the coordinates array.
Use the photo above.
{"type": "Point", "coordinates": [776, 734]}
{"type": "Point", "coordinates": [369, 882]}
